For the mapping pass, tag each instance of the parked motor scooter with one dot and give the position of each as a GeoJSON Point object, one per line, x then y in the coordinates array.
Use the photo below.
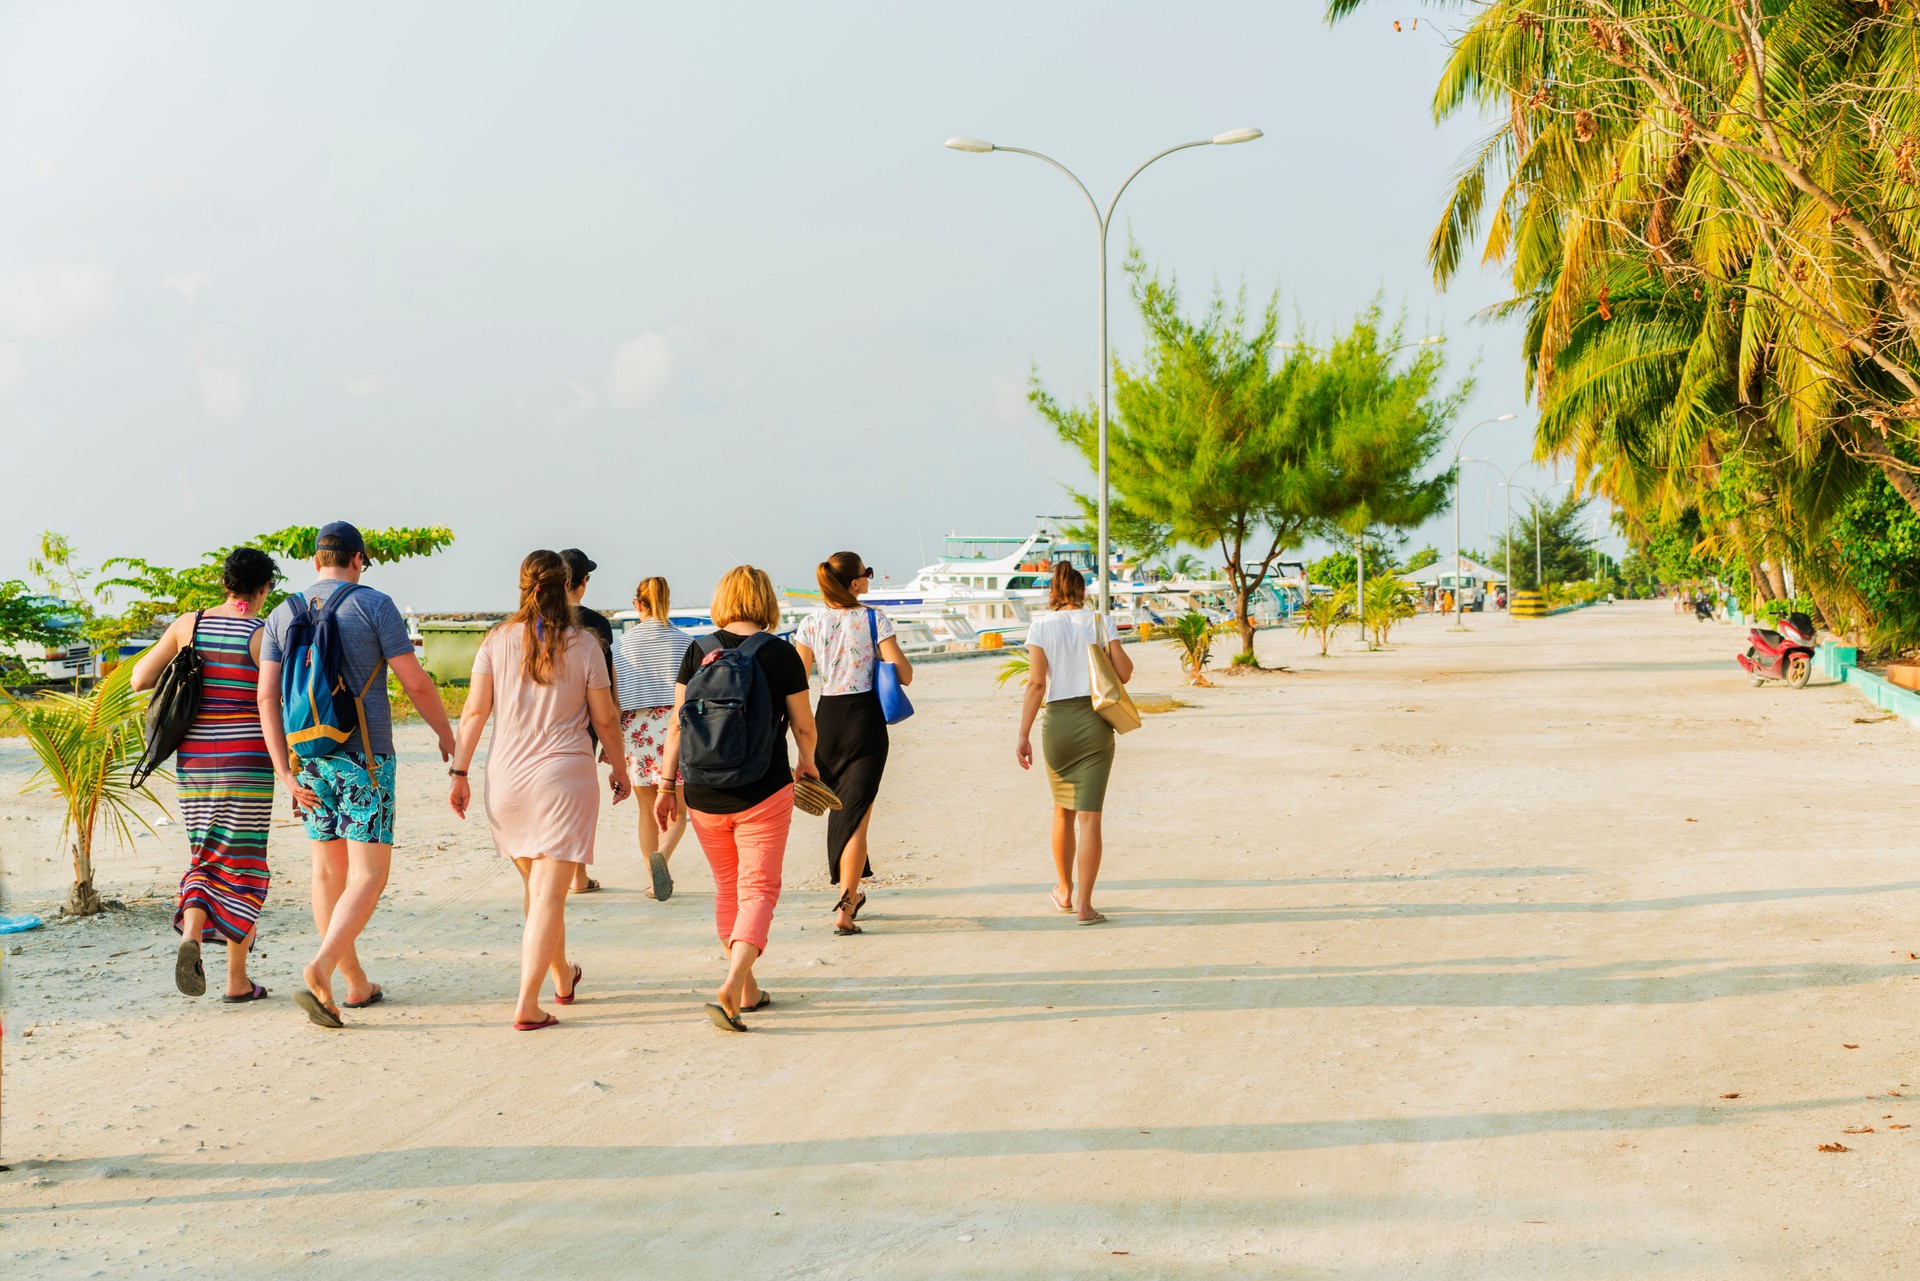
{"type": "Point", "coordinates": [1785, 655]}
{"type": "Point", "coordinates": [1703, 610]}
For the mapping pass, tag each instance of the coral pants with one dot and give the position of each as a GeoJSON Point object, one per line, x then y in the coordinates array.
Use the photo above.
{"type": "Point", "coordinates": [746, 851]}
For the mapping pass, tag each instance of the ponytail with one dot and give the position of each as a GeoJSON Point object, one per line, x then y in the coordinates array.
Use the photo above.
{"type": "Point", "coordinates": [544, 614]}
{"type": "Point", "coordinates": [837, 575]}
{"type": "Point", "coordinates": [1068, 588]}
{"type": "Point", "coordinates": [652, 596]}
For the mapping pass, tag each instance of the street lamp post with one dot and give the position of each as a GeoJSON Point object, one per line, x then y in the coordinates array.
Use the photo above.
{"type": "Point", "coordinates": [1103, 221]}
{"type": "Point", "coordinates": [1539, 499]}
{"type": "Point", "coordinates": [1506, 485]}
{"type": "Point", "coordinates": [1459, 561]}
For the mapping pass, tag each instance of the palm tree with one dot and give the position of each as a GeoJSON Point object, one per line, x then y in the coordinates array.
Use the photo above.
{"type": "Point", "coordinates": [1389, 601]}
{"type": "Point", "coordinates": [1322, 616]}
{"type": "Point", "coordinates": [1192, 635]}
{"type": "Point", "coordinates": [87, 747]}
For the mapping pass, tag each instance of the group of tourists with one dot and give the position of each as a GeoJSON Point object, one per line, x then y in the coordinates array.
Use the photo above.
{"type": "Point", "coordinates": [696, 726]}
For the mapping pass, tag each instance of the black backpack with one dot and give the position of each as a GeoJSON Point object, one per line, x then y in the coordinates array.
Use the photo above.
{"type": "Point", "coordinates": [172, 708]}
{"type": "Point", "coordinates": [726, 723]}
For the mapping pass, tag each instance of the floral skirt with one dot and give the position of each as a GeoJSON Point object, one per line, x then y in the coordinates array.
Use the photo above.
{"type": "Point", "coordinates": [645, 731]}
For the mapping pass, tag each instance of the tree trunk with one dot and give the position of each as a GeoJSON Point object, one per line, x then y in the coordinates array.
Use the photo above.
{"type": "Point", "coordinates": [82, 899]}
{"type": "Point", "coordinates": [1902, 480]}
{"type": "Point", "coordinates": [1243, 615]}
{"type": "Point", "coordinates": [1776, 581]}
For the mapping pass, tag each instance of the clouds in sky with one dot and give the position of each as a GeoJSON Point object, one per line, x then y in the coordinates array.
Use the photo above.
{"type": "Point", "coordinates": [224, 391]}
{"type": "Point", "coordinates": [1009, 400]}
{"type": "Point", "coordinates": [641, 369]}
{"type": "Point", "coordinates": [56, 298]}
{"type": "Point", "coordinates": [361, 386]}
{"type": "Point", "coordinates": [188, 284]}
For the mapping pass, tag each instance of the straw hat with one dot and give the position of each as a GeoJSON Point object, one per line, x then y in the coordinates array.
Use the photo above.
{"type": "Point", "coordinates": [813, 796]}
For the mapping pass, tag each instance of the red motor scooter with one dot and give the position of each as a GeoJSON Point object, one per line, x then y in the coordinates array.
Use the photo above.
{"type": "Point", "coordinates": [1785, 655]}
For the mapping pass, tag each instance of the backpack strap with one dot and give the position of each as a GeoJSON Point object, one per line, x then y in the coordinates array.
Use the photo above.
{"type": "Point", "coordinates": [755, 643]}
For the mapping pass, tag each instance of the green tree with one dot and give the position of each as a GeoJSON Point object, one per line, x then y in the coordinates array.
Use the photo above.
{"type": "Point", "coordinates": [1209, 444]}
{"type": "Point", "coordinates": [1322, 617]}
{"type": "Point", "coordinates": [1419, 560]}
{"type": "Point", "coordinates": [87, 748]}
{"type": "Point", "coordinates": [1191, 636]}
{"type": "Point", "coordinates": [1341, 568]}
{"type": "Point", "coordinates": [1566, 543]}
{"type": "Point", "coordinates": [25, 617]}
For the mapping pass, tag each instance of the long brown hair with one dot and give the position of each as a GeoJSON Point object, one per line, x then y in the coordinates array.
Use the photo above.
{"type": "Point", "coordinates": [652, 596]}
{"type": "Point", "coordinates": [837, 575]}
{"type": "Point", "coordinates": [543, 613]}
{"type": "Point", "coordinates": [1068, 588]}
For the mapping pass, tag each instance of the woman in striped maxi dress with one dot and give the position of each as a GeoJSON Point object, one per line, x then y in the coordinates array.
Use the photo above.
{"type": "Point", "coordinates": [225, 777]}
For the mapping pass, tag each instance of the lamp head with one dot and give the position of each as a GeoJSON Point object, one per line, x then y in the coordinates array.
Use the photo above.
{"type": "Point", "coordinates": [1232, 136]}
{"type": "Point", "coordinates": [1431, 340]}
{"type": "Point", "coordinates": [964, 143]}
{"type": "Point", "coordinates": [1506, 418]}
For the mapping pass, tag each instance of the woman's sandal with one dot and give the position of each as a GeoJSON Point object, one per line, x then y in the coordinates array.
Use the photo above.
{"type": "Point", "coordinates": [766, 999]}
{"type": "Point", "coordinates": [258, 994]}
{"type": "Point", "coordinates": [724, 1021]}
{"type": "Point", "coordinates": [321, 1013]}
{"type": "Point", "coordinates": [188, 975]}
{"type": "Point", "coordinates": [588, 888]}
{"type": "Point", "coordinates": [1064, 907]}
{"type": "Point", "coordinates": [858, 904]}
{"type": "Point", "coordinates": [1098, 918]}
{"type": "Point", "coordinates": [549, 1021]}
{"type": "Point", "coordinates": [841, 906]}
{"type": "Point", "coordinates": [373, 998]}
{"type": "Point", "coordinates": [571, 991]}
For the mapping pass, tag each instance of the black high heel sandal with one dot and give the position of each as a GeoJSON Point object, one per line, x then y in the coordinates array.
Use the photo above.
{"type": "Point", "coordinates": [842, 906]}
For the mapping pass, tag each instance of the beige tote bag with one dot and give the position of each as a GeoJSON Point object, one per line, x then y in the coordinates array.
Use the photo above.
{"type": "Point", "coordinates": [1110, 697]}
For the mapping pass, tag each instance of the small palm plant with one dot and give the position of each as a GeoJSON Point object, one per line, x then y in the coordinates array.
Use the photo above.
{"type": "Point", "coordinates": [1323, 616]}
{"type": "Point", "coordinates": [1192, 635]}
{"type": "Point", "coordinates": [1389, 601]}
{"type": "Point", "coordinates": [87, 746]}
{"type": "Point", "coordinates": [1015, 665]}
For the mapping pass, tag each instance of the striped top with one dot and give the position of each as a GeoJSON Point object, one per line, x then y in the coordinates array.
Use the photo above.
{"type": "Point", "coordinates": [646, 659]}
{"type": "Point", "coordinates": [229, 678]}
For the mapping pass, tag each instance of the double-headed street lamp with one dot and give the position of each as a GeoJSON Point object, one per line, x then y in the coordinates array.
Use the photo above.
{"type": "Point", "coordinates": [1540, 500]}
{"type": "Point", "coordinates": [1506, 485]}
{"type": "Point", "coordinates": [1103, 220]}
{"type": "Point", "coordinates": [1459, 562]}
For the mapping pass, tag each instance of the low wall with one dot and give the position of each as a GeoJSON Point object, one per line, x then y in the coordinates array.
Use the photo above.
{"type": "Point", "coordinates": [1837, 662]}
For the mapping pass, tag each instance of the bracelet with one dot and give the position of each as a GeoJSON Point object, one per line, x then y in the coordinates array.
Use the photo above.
{"type": "Point", "coordinates": [455, 773]}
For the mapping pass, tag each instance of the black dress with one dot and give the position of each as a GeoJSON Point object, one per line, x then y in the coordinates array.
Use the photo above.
{"type": "Point", "coordinates": [852, 756]}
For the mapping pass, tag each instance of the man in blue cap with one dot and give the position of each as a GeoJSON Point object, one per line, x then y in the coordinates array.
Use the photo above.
{"type": "Point", "coordinates": [346, 797]}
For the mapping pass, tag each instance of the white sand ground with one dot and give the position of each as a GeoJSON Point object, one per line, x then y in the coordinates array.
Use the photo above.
{"type": "Point", "coordinates": [1441, 962]}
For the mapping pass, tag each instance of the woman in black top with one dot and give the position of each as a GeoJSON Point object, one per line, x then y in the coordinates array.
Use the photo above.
{"type": "Point", "coordinates": [743, 828]}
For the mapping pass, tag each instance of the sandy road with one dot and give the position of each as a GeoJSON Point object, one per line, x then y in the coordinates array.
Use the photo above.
{"type": "Point", "coordinates": [1440, 962]}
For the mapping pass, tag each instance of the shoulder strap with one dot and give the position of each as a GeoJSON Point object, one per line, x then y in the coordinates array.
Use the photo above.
{"type": "Point", "coordinates": [755, 643]}
{"type": "Point", "coordinates": [193, 637]}
{"type": "Point", "coordinates": [708, 643]}
{"type": "Point", "coordinates": [340, 593]}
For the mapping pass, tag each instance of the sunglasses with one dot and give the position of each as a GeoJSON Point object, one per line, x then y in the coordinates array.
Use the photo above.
{"type": "Point", "coordinates": [869, 573]}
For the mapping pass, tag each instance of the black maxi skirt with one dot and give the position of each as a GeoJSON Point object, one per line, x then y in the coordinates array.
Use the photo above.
{"type": "Point", "coordinates": [852, 755]}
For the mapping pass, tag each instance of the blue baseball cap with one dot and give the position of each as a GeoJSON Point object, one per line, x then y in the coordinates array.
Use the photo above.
{"type": "Point", "coordinates": [338, 536]}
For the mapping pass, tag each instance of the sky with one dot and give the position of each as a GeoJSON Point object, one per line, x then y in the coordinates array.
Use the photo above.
{"type": "Point", "coordinates": [682, 285]}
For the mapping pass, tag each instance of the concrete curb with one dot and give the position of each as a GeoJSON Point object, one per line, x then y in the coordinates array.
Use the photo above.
{"type": "Point", "coordinates": [1837, 661]}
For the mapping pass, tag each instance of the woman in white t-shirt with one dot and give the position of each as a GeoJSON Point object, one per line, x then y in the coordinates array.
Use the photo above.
{"type": "Point", "coordinates": [845, 640]}
{"type": "Point", "coordinates": [1077, 743]}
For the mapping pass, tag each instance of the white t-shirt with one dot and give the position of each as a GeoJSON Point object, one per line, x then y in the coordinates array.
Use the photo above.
{"type": "Point", "coordinates": [1063, 636]}
{"type": "Point", "coordinates": [843, 647]}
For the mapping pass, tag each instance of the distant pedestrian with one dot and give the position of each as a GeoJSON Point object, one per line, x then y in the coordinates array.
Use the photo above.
{"type": "Point", "coordinates": [730, 723]}
{"type": "Point", "coordinates": [545, 679]}
{"type": "Point", "coordinates": [346, 797]}
{"type": "Point", "coordinates": [224, 776]}
{"type": "Point", "coordinates": [646, 662]}
{"type": "Point", "coordinates": [846, 641]}
{"type": "Point", "coordinates": [1076, 742]}
{"type": "Point", "coordinates": [580, 568]}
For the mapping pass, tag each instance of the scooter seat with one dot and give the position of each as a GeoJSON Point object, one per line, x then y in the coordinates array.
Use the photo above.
{"type": "Point", "coordinates": [1770, 637]}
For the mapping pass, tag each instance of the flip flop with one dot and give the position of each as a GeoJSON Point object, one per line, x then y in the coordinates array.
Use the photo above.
{"type": "Point", "coordinates": [1058, 905]}
{"type": "Point", "coordinates": [188, 975]}
{"type": "Point", "coordinates": [568, 998]}
{"type": "Point", "coordinates": [724, 1021]}
{"type": "Point", "coordinates": [766, 999]}
{"type": "Point", "coordinates": [662, 880]}
{"type": "Point", "coordinates": [258, 994]}
{"type": "Point", "coordinates": [549, 1021]}
{"type": "Point", "coordinates": [316, 1009]}
{"type": "Point", "coordinates": [858, 904]}
{"type": "Point", "coordinates": [375, 999]}
{"type": "Point", "coordinates": [844, 930]}
{"type": "Point", "coordinates": [588, 888]}
{"type": "Point", "coordinates": [1098, 918]}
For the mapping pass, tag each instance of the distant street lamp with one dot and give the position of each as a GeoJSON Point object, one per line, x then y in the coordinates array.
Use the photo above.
{"type": "Point", "coordinates": [1539, 499]}
{"type": "Point", "coordinates": [1459, 561]}
{"type": "Point", "coordinates": [1103, 221]}
{"type": "Point", "coordinates": [1506, 485]}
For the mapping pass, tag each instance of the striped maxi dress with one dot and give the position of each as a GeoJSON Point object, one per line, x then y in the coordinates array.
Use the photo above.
{"type": "Point", "coordinates": [225, 783]}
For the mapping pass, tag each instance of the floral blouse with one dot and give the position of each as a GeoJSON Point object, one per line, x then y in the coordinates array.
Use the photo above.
{"type": "Point", "coordinates": [843, 647]}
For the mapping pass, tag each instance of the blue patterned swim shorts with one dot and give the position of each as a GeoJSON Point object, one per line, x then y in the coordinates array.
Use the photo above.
{"type": "Point", "coordinates": [356, 804]}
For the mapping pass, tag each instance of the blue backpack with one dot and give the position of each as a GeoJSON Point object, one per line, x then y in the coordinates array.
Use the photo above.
{"type": "Point", "coordinates": [726, 722]}
{"type": "Point", "coordinates": [318, 711]}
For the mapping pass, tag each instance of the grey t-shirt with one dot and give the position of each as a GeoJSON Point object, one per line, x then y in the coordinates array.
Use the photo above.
{"type": "Point", "coordinates": [371, 630]}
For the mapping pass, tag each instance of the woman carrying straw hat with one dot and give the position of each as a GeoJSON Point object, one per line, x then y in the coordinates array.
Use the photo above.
{"type": "Point", "coordinates": [1078, 744]}
{"type": "Point", "coordinates": [646, 659]}
{"type": "Point", "coordinates": [546, 678]}
{"type": "Point", "coordinates": [742, 826]}
{"type": "Point", "coordinates": [848, 640]}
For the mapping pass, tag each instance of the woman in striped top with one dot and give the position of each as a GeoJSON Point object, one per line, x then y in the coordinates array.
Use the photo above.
{"type": "Point", "coordinates": [646, 660]}
{"type": "Point", "coordinates": [224, 776]}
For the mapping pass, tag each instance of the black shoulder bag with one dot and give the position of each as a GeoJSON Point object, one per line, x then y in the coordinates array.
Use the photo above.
{"type": "Point", "coordinates": [172, 709]}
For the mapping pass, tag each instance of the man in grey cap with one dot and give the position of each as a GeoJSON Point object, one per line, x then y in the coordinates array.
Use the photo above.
{"type": "Point", "coordinates": [346, 797]}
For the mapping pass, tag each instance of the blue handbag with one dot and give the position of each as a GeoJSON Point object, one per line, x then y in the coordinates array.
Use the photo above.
{"type": "Point", "coordinates": [894, 704]}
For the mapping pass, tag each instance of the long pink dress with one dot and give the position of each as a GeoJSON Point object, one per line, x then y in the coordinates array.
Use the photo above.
{"type": "Point", "coordinates": [543, 791]}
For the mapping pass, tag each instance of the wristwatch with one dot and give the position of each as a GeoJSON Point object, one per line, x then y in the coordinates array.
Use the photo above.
{"type": "Point", "coordinates": [455, 773]}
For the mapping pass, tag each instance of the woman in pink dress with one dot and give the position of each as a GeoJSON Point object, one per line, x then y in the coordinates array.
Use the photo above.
{"type": "Point", "coordinates": [543, 679]}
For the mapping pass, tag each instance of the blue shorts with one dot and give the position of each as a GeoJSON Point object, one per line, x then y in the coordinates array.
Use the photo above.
{"type": "Point", "coordinates": [356, 804]}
